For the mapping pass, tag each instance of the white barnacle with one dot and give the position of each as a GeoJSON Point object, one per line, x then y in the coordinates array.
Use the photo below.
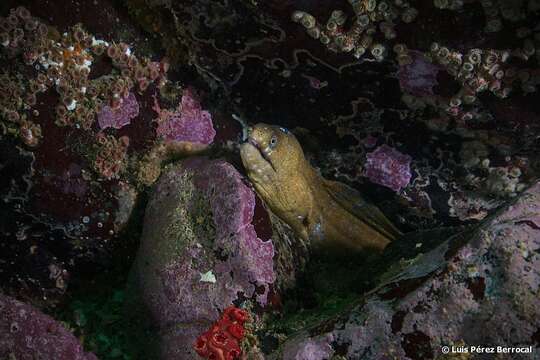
{"type": "Point", "coordinates": [297, 16]}
{"type": "Point", "coordinates": [208, 277]}
{"type": "Point", "coordinates": [96, 42]}
{"type": "Point", "coordinates": [72, 105]}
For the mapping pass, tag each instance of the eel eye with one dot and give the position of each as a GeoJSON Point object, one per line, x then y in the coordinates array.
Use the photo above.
{"type": "Point", "coordinates": [284, 130]}
{"type": "Point", "coordinates": [273, 141]}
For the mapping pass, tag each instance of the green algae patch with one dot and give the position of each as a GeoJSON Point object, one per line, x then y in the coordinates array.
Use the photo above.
{"type": "Point", "coordinates": [97, 318]}
{"type": "Point", "coordinates": [192, 218]}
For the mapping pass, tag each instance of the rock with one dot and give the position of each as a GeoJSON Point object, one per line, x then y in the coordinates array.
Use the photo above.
{"type": "Point", "coordinates": [204, 246]}
{"type": "Point", "coordinates": [27, 333]}
{"type": "Point", "coordinates": [476, 289]}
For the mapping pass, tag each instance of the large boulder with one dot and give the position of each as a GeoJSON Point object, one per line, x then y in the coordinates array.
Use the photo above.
{"type": "Point", "coordinates": [27, 333]}
{"type": "Point", "coordinates": [207, 244]}
{"type": "Point", "coordinates": [479, 288]}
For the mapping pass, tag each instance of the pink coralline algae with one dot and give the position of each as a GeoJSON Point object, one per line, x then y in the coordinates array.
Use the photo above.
{"type": "Point", "coordinates": [199, 252]}
{"type": "Point", "coordinates": [418, 77]}
{"type": "Point", "coordinates": [479, 287]}
{"type": "Point", "coordinates": [388, 167]}
{"type": "Point", "coordinates": [120, 116]}
{"type": "Point", "coordinates": [309, 349]}
{"type": "Point", "coordinates": [188, 123]}
{"type": "Point", "coordinates": [26, 333]}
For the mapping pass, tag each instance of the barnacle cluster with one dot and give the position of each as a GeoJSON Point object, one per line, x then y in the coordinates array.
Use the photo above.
{"type": "Point", "coordinates": [16, 30]}
{"type": "Point", "coordinates": [12, 100]}
{"type": "Point", "coordinates": [531, 42]}
{"type": "Point", "coordinates": [500, 181]}
{"type": "Point", "coordinates": [110, 155]}
{"type": "Point", "coordinates": [448, 4]}
{"type": "Point", "coordinates": [63, 62]}
{"type": "Point", "coordinates": [491, 13]}
{"type": "Point", "coordinates": [504, 181]}
{"type": "Point", "coordinates": [403, 57]}
{"type": "Point", "coordinates": [480, 70]}
{"type": "Point", "coordinates": [514, 11]}
{"type": "Point", "coordinates": [498, 11]}
{"type": "Point", "coordinates": [372, 19]}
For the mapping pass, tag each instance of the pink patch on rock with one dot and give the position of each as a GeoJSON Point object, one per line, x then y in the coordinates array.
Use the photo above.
{"type": "Point", "coordinates": [233, 207]}
{"type": "Point", "coordinates": [388, 167]}
{"type": "Point", "coordinates": [188, 123]}
{"type": "Point", "coordinates": [318, 348]}
{"type": "Point", "coordinates": [121, 116]}
{"type": "Point", "coordinates": [420, 77]}
{"type": "Point", "coordinates": [27, 333]}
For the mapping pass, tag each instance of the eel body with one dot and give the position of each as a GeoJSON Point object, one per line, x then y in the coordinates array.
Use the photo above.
{"type": "Point", "coordinates": [318, 210]}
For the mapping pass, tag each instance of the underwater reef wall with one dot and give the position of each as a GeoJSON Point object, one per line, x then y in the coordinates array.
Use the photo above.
{"type": "Point", "coordinates": [485, 292]}
{"type": "Point", "coordinates": [452, 84]}
{"type": "Point", "coordinates": [74, 116]}
{"type": "Point", "coordinates": [204, 248]}
{"type": "Point", "coordinates": [430, 107]}
{"type": "Point", "coordinates": [27, 333]}
{"type": "Point", "coordinates": [87, 115]}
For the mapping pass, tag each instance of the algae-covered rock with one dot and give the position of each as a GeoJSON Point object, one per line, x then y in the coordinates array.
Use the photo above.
{"type": "Point", "coordinates": [203, 248]}
{"type": "Point", "coordinates": [27, 333]}
{"type": "Point", "coordinates": [475, 289]}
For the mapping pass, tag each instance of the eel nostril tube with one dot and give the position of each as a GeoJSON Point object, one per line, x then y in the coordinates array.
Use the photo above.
{"type": "Point", "coordinates": [246, 130]}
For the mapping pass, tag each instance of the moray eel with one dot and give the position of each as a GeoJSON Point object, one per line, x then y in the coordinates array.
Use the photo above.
{"type": "Point", "coordinates": [318, 210]}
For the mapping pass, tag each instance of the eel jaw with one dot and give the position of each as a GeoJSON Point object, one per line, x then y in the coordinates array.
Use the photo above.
{"type": "Point", "coordinates": [258, 167]}
{"type": "Point", "coordinates": [263, 153]}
